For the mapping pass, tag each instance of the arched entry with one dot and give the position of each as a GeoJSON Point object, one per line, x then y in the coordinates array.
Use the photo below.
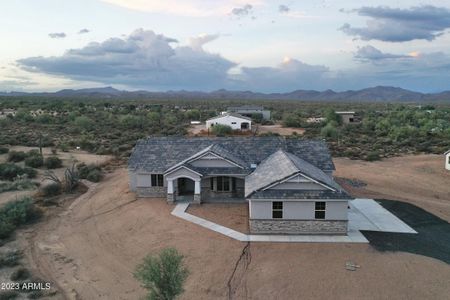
{"type": "Point", "coordinates": [186, 186]}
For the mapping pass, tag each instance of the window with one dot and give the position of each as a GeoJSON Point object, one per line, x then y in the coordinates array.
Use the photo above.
{"type": "Point", "coordinates": [320, 210]}
{"type": "Point", "coordinates": [223, 184]}
{"type": "Point", "coordinates": [277, 210]}
{"type": "Point", "coordinates": [234, 123]}
{"type": "Point", "coordinates": [157, 180]}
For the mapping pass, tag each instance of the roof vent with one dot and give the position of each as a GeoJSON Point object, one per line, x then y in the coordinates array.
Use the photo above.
{"type": "Point", "coordinates": [253, 166]}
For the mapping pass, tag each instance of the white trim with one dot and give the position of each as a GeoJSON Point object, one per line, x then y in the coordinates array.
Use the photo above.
{"type": "Point", "coordinates": [297, 200]}
{"type": "Point", "coordinates": [286, 179]}
{"type": "Point", "coordinates": [166, 174]}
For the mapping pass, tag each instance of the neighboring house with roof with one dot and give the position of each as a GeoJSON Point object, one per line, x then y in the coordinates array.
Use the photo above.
{"type": "Point", "coordinates": [249, 110]}
{"type": "Point", "coordinates": [287, 183]}
{"type": "Point", "coordinates": [349, 117]}
{"type": "Point", "coordinates": [447, 160]}
{"type": "Point", "coordinates": [235, 121]}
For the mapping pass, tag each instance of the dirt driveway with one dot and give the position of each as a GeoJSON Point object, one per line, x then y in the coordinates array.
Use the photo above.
{"type": "Point", "coordinates": [91, 250]}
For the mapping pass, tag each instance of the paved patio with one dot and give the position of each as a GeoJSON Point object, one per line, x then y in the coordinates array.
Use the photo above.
{"type": "Point", "coordinates": [364, 214]}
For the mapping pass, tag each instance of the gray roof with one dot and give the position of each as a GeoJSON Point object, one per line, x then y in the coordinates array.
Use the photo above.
{"type": "Point", "coordinates": [299, 194]}
{"type": "Point", "coordinates": [157, 154]}
{"type": "Point", "coordinates": [236, 115]}
{"type": "Point", "coordinates": [245, 107]}
{"type": "Point", "coordinates": [280, 166]}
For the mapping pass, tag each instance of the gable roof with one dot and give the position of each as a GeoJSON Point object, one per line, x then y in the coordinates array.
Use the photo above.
{"type": "Point", "coordinates": [158, 154]}
{"type": "Point", "coordinates": [447, 152]}
{"type": "Point", "coordinates": [230, 114]}
{"type": "Point", "coordinates": [280, 166]}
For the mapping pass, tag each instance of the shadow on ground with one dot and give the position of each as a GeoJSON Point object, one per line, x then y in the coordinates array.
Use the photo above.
{"type": "Point", "coordinates": [432, 240]}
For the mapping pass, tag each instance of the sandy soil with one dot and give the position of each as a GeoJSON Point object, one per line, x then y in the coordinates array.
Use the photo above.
{"type": "Point", "coordinates": [233, 215]}
{"type": "Point", "coordinates": [421, 180]}
{"type": "Point", "coordinates": [91, 250]}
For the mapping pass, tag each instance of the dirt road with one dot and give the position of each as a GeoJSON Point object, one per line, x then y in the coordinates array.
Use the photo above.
{"type": "Point", "coordinates": [91, 250]}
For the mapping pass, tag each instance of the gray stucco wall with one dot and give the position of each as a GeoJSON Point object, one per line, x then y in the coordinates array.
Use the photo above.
{"type": "Point", "coordinates": [298, 227]}
{"type": "Point", "coordinates": [298, 210]}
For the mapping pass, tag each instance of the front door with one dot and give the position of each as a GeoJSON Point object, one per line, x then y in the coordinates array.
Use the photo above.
{"type": "Point", "coordinates": [186, 186]}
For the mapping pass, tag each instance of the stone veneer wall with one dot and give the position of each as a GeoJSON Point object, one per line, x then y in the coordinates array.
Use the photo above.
{"type": "Point", "coordinates": [153, 192]}
{"type": "Point", "coordinates": [298, 226]}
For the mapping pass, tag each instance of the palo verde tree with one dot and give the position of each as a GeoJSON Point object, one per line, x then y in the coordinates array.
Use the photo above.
{"type": "Point", "coordinates": [163, 275]}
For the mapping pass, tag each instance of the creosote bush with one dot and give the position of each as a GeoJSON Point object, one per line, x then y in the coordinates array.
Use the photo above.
{"type": "Point", "coordinates": [53, 162]}
{"type": "Point", "coordinates": [163, 275]}
{"type": "Point", "coordinates": [16, 156]}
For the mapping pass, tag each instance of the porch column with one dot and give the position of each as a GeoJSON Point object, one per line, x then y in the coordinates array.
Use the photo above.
{"type": "Point", "coordinates": [197, 191]}
{"type": "Point", "coordinates": [170, 195]}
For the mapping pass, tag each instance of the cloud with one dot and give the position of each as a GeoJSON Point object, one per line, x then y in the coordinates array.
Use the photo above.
{"type": "Point", "coordinates": [192, 8]}
{"type": "Point", "coordinates": [370, 53]}
{"type": "Point", "coordinates": [289, 75]}
{"type": "Point", "coordinates": [197, 43]}
{"type": "Point", "coordinates": [242, 11]}
{"type": "Point", "coordinates": [57, 35]}
{"type": "Point", "coordinates": [141, 59]}
{"type": "Point", "coordinates": [283, 9]}
{"type": "Point", "coordinates": [401, 25]}
{"type": "Point", "coordinates": [83, 31]}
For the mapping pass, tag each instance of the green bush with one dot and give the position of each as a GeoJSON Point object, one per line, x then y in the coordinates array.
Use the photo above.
{"type": "Point", "coordinates": [16, 156]}
{"type": "Point", "coordinates": [163, 275]}
{"type": "Point", "coordinates": [16, 213]}
{"type": "Point", "coordinates": [17, 185]}
{"type": "Point", "coordinates": [34, 161]}
{"type": "Point", "coordinates": [94, 175]}
{"type": "Point", "coordinates": [329, 131]}
{"type": "Point", "coordinates": [53, 162]}
{"type": "Point", "coordinates": [4, 150]}
{"type": "Point", "coordinates": [51, 189]}
{"type": "Point", "coordinates": [9, 171]}
{"type": "Point", "coordinates": [9, 294]}
{"type": "Point", "coordinates": [20, 274]}
{"type": "Point", "coordinates": [90, 172]}
{"type": "Point", "coordinates": [221, 130]}
{"type": "Point", "coordinates": [10, 259]}
{"type": "Point", "coordinates": [373, 156]}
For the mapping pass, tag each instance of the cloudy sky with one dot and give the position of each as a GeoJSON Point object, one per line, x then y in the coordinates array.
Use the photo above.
{"type": "Point", "coordinates": [258, 45]}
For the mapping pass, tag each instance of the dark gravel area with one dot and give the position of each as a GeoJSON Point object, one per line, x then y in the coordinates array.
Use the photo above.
{"type": "Point", "coordinates": [432, 240]}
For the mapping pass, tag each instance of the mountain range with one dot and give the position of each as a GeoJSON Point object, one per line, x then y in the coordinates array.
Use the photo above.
{"type": "Point", "coordinates": [377, 94]}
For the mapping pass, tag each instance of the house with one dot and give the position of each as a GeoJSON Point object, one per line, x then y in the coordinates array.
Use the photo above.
{"type": "Point", "coordinates": [287, 183]}
{"type": "Point", "coordinates": [349, 117]}
{"type": "Point", "coordinates": [250, 110]}
{"type": "Point", "coordinates": [447, 160]}
{"type": "Point", "coordinates": [315, 120]}
{"type": "Point", "coordinates": [235, 121]}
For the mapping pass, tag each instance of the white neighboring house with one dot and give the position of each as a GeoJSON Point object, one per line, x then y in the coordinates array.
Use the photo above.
{"type": "Point", "coordinates": [235, 121]}
{"type": "Point", "coordinates": [447, 160]}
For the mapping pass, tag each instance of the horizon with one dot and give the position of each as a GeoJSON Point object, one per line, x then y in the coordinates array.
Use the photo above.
{"type": "Point", "coordinates": [254, 45]}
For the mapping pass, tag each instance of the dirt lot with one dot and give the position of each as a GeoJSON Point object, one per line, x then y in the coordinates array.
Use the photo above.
{"type": "Point", "coordinates": [233, 215]}
{"type": "Point", "coordinates": [91, 248]}
{"type": "Point", "coordinates": [420, 180]}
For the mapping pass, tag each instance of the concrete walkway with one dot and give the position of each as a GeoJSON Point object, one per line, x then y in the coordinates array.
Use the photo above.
{"type": "Point", "coordinates": [364, 214]}
{"type": "Point", "coordinates": [353, 236]}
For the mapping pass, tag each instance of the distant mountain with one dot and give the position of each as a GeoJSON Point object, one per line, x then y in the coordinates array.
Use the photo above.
{"type": "Point", "coordinates": [377, 94]}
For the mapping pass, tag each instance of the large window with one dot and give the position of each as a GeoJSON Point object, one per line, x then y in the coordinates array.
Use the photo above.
{"type": "Point", "coordinates": [277, 210]}
{"type": "Point", "coordinates": [320, 210]}
{"type": "Point", "coordinates": [223, 184]}
{"type": "Point", "coordinates": [157, 180]}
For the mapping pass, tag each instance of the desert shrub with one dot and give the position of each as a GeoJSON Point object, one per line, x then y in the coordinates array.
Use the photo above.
{"type": "Point", "coordinates": [19, 184]}
{"type": "Point", "coordinates": [163, 275]}
{"type": "Point", "coordinates": [9, 294]}
{"type": "Point", "coordinates": [51, 189]}
{"type": "Point", "coordinates": [20, 274]}
{"type": "Point", "coordinates": [10, 259]}
{"type": "Point", "coordinates": [90, 172]}
{"type": "Point", "coordinates": [329, 131]}
{"type": "Point", "coordinates": [53, 162]}
{"type": "Point", "coordinates": [34, 161]}
{"type": "Point", "coordinates": [33, 152]}
{"type": "Point", "coordinates": [16, 156]}
{"type": "Point", "coordinates": [35, 294]}
{"type": "Point", "coordinates": [373, 156]}
{"type": "Point", "coordinates": [4, 150]}
{"type": "Point", "coordinates": [94, 175]}
{"type": "Point", "coordinates": [19, 212]}
{"type": "Point", "coordinates": [9, 171]}
{"type": "Point", "coordinates": [221, 130]}
{"type": "Point", "coordinates": [6, 229]}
